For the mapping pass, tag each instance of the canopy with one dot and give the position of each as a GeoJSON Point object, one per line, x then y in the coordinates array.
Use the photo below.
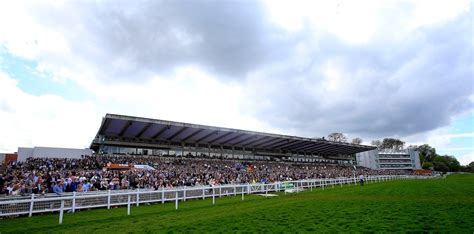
{"type": "Point", "coordinates": [120, 130]}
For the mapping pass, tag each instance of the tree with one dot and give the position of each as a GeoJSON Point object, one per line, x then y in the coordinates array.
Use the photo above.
{"type": "Point", "coordinates": [392, 143]}
{"type": "Point", "coordinates": [453, 163]}
{"type": "Point", "coordinates": [357, 141]}
{"type": "Point", "coordinates": [470, 167]}
{"type": "Point", "coordinates": [446, 163]}
{"type": "Point", "coordinates": [337, 137]}
{"type": "Point", "coordinates": [377, 143]}
{"type": "Point", "coordinates": [427, 165]}
{"type": "Point", "coordinates": [427, 153]}
{"type": "Point", "coordinates": [440, 166]}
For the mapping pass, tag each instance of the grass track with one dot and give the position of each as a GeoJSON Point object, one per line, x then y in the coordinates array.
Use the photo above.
{"type": "Point", "coordinates": [439, 205]}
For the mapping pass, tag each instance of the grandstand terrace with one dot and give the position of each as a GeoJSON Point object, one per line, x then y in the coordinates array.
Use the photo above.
{"type": "Point", "coordinates": [120, 134]}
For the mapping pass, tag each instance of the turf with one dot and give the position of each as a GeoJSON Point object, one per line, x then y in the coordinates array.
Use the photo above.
{"type": "Point", "coordinates": [437, 205]}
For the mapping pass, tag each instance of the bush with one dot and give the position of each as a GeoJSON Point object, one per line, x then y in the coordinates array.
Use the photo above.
{"type": "Point", "coordinates": [427, 165]}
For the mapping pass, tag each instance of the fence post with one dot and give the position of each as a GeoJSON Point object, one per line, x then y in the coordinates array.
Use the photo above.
{"type": "Point", "coordinates": [340, 182]}
{"type": "Point", "coordinates": [203, 193]}
{"type": "Point", "coordinates": [162, 195]}
{"type": "Point", "coordinates": [220, 190]}
{"type": "Point", "coordinates": [213, 196]}
{"type": "Point", "coordinates": [61, 212]}
{"type": "Point", "coordinates": [138, 196]}
{"type": "Point", "coordinates": [235, 190]}
{"type": "Point", "coordinates": [108, 200]}
{"type": "Point", "coordinates": [184, 194]}
{"type": "Point", "coordinates": [73, 202]}
{"type": "Point", "coordinates": [266, 190]}
{"type": "Point", "coordinates": [31, 204]}
{"type": "Point", "coordinates": [128, 204]}
{"type": "Point", "coordinates": [243, 192]}
{"type": "Point", "coordinates": [176, 205]}
{"type": "Point", "coordinates": [311, 185]}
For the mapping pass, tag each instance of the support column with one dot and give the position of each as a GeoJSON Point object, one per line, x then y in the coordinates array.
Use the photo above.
{"type": "Point", "coordinates": [182, 149]}
{"type": "Point", "coordinates": [196, 149]}
{"type": "Point", "coordinates": [61, 212]}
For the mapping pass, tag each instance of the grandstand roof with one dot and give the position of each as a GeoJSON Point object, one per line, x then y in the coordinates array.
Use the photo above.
{"type": "Point", "coordinates": [136, 130]}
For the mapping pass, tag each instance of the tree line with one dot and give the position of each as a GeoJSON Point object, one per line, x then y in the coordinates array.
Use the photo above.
{"type": "Point", "coordinates": [429, 159]}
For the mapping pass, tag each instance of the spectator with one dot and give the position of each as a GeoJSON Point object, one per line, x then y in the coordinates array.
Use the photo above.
{"type": "Point", "coordinates": [42, 175]}
{"type": "Point", "coordinates": [58, 188]}
{"type": "Point", "coordinates": [361, 180]}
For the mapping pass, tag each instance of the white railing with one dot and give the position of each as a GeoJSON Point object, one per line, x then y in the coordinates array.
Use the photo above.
{"type": "Point", "coordinates": [76, 201]}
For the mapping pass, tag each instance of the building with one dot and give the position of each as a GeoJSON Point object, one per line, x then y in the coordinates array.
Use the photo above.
{"type": "Point", "coordinates": [389, 159]}
{"type": "Point", "coordinates": [51, 152]}
{"type": "Point", "coordinates": [8, 157]}
{"type": "Point", "coordinates": [119, 134]}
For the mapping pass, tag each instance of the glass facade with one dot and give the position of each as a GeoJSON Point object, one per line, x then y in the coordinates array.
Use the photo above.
{"type": "Point", "coordinates": [217, 152]}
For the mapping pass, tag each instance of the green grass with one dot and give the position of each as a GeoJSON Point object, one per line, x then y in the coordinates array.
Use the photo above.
{"type": "Point", "coordinates": [438, 205]}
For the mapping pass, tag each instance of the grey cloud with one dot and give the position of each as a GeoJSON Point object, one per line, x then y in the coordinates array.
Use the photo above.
{"type": "Point", "coordinates": [389, 88]}
{"type": "Point", "coordinates": [229, 38]}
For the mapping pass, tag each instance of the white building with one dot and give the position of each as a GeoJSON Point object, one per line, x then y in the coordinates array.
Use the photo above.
{"type": "Point", "coordinates": [389, 159]}
{"type": "Point", "coordinates": [51, 152]}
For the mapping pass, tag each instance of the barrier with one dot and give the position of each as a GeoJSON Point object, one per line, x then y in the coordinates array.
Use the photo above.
{"type": "Point", "coordinates": [34, 204]}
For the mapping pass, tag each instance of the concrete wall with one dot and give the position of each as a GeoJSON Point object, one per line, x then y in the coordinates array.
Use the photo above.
{"type": "Point", "coordinates": [370, 159]}
{"type": "Point", "coordinates": [415, 157]}
{"type": "Point", "coordinates": [24, 153]}
{"type": "Point", "coordinates": [367, 159]}
{"type": "Point", "coordinates": [51, 152]}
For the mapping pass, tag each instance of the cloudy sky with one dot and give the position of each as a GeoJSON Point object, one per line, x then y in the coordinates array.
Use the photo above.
{"type": "Point", "coordinates": [369, 69]}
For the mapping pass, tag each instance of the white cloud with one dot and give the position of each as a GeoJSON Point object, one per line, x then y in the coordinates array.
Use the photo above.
{"type": "Point", "coordinates": [331, 63]}
{"type": "Point", "coordinates": [352, 21]}
{"type": "Point", "coordinates": [47, 120]}
{"type": "Point", "coordinates": [443, 140]}
{"type": "Point", "coordinates": [431, 12]}
{"type": "Point", "coordinates": [357, 22]}
{"type": "Point", "coordinates": [466, 158]}
{"type": "Point", "coordinates": [191, 96]}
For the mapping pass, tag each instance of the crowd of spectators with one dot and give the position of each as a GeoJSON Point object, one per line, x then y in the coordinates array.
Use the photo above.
{"type": "Point", "coordinates": [48, 175]}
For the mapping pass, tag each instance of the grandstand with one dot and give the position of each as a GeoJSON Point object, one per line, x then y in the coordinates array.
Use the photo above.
{"type": "Point", "coordinates": [120, 134]}
{"type": "Point", "coordinates": [390, 159]}
{"type": "Point", "coordinates": [143, 161]}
